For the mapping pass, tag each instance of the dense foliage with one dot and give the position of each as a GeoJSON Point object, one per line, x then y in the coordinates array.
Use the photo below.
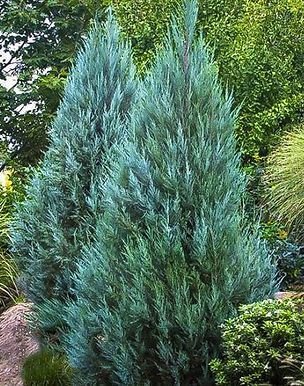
{"type": "Point", "coordinates": [255, 342]}
{"type": "Point", "coordinates": [290, 260]}
{"type": "Point", "coordinates": [259, 50]}
{"type": "Point", "coordinates": [258, 47]}
{"type": "Point", "coordinates": [38, 43]}
{"type": "Point", "coordinates": [173, 257]}
{"type": "Point", "coordinates": [64, 195]}
{"type": "Point", "coordinates": [144, 22]}
{"type": "Point", "coordinates": [134, 242]}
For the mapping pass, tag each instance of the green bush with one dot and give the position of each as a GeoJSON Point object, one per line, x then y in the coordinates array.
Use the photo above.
{"type": "Point", "coordinates": [256, 340]}
{"type": "Point", "coordinates": [260, 54]}
{"type": "Point", "coordinates": [46, 368]}
{"type": "Point", "coordinates": [144, 22]}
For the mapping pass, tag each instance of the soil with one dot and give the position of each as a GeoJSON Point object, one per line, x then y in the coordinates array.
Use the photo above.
{"type": "Point", "coordinates": [16, 343]}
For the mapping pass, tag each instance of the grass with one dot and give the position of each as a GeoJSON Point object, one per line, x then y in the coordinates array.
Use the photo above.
{"type": "Point", "coordinates": [46, 368]}
{"type": "Point", "coordinates": [8, 274]}
{"type": "Point", "coordinates": [8, 269]}
{"type": "Point", "coordinates": [284, 177]}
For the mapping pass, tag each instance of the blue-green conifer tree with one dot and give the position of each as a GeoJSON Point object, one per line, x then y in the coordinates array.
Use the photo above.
{"type": "Point", "coordinates": [64, 197]}
{"type": "Point", "coordinates": [173, 256]}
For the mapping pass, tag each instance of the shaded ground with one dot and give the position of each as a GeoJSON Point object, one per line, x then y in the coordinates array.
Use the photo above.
{"type": "Point", "coordinates": [16, 343]}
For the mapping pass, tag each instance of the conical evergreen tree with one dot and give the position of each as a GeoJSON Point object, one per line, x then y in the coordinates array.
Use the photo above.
{"type": "Point", "coordinates": [173, 257]}
{"type": "Point", "coordinates": [65, 196]}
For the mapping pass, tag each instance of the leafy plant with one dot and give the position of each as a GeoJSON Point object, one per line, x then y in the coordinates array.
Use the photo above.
{"type": "Point", "coordinates": [144, 22]}
{"type": "Point", "coordinates": [290, 260]}
{"type": "Point", "coordinates": [40, 43]}
{"type": "Point", "coordinates": [255, 341]}
{"type": "Point", "coordinates": [172, 256]}
{"type": "Point", "coordinates": [46, 368]}
{"type": "Point", "coordinates": [273, 231]}
{"type": "Point", "coordinates": [260, 55]}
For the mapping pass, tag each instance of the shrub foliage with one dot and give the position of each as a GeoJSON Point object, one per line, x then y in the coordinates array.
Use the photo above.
{"type": "Point", "coordinates": [65, 194]}
{"type": "Point", "coordinates": [255, 342]}
{"type": "Point", "coordinates": [172, 257]}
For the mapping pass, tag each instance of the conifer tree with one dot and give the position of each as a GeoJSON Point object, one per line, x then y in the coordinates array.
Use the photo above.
{"type": "Point", "coordinates": [173, 256]}
{"type": "Point", "coordinates": [65, 195]}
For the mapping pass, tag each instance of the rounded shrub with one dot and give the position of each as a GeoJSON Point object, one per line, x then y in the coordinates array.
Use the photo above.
{"type": "Point", "coordinates": [46, 368]}
{"type": "Point", "coordinates": [255, 342]}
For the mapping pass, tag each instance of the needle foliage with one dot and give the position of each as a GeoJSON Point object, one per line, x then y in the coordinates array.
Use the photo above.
{"type": "Point", "coordinates": [65, 195]}
{"type": "Point", "coordinates": [172, 256]}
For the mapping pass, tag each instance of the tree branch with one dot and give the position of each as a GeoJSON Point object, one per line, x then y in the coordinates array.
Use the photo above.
{"type": "Point", "coordinates": [13, 57]}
